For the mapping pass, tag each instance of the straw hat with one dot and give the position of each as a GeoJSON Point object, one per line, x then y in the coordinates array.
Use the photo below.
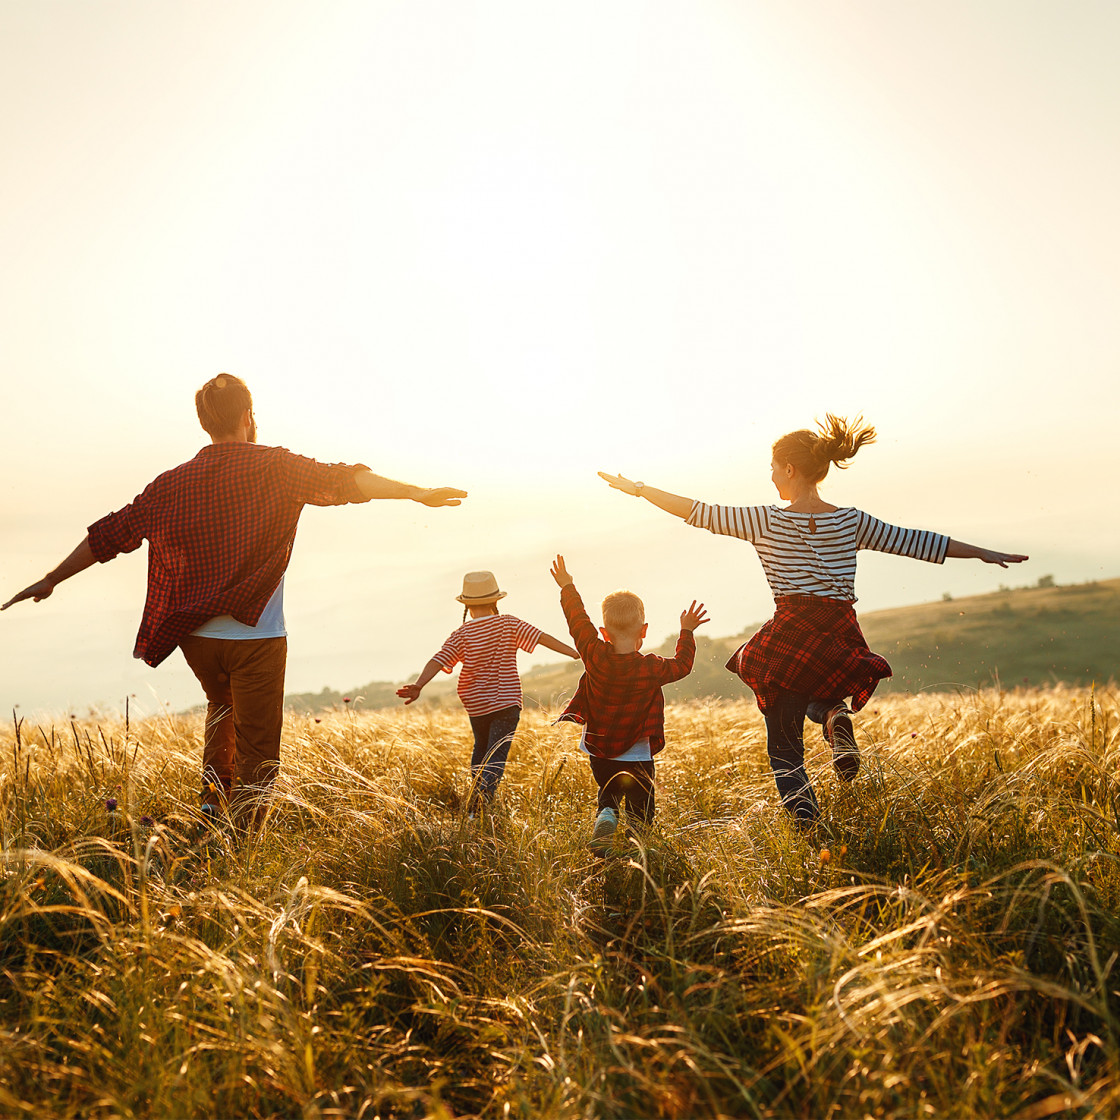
{"type": "Point", "coordinates": [480, 588]}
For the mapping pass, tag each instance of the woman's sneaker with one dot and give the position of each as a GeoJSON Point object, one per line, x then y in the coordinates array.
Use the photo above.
{"type": "Point", "coordinates": [841, 736]}
{"type": "Point", "coordinates": [602, 836]}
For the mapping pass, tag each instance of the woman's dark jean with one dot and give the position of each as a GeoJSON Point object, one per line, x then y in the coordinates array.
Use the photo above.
{"type": "Point", "coordinates": [493, 734]}
{"type": "Point", "coordinates": [785, 744]}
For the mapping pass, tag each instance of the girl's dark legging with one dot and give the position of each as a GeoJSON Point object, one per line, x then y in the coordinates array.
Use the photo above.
{"type": "Point", "coordinates": [632, 780]}
{"type": "Point", "coordinates": [493, 734]}
{"type": "Point", "coordinates": [785, 744]}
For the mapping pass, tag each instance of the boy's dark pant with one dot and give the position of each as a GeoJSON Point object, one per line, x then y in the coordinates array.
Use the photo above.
{"type": "Point", "coordinates": [632, 780]}
{"type": "Point", "coordinates": [785, 744]}
{"type": "Point", "coordinates": [493, 734]}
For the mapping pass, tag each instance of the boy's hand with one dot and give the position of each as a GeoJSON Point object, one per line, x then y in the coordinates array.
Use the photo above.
{"type": "Point", "coordinates": [410, 692]}
{"type": "Point", "coordinates": [695, 616]}
{"type": "Point", "coordinates": [560, 573]}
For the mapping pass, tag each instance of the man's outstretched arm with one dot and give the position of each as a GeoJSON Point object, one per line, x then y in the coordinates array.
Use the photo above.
{"type": "Point", "coordinates": [374, 486]}
{"type": "Point", "coordinates": [78, 560]}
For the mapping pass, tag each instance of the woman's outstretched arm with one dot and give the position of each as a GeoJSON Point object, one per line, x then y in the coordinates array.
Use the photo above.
{"type": "Point", "coordinates": [958, 550]}
{"type": "Point", "coordinates": [671, 503]}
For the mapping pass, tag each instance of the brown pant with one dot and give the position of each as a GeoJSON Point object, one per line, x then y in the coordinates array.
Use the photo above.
{"type": "Point", "coordinates": [244, 686]}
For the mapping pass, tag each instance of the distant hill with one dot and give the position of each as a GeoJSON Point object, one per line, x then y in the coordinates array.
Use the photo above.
{"type": "Point", "coordinates": [1021, 636]}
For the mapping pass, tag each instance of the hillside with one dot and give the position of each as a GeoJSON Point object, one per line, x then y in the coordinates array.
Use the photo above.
{"type": "Point", "coordinates": [1021, 636]}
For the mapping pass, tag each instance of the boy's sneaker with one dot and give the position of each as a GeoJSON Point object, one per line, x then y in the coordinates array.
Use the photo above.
{"type": "Point", "coordinates": [602, 837]}
{"type": "Point", "coordinates": [841, 736]}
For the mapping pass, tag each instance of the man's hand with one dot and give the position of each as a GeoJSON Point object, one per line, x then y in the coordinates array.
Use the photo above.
{"type": "Point", "coordinates": [695, 616]}
{"type": "Point", "coordinates": [440, 496]}
{"type": "Point", "coordinates": [560, 573]}
{"type": "Point", "coordinates": [410, 692]}
{"type": "Point", "coordinates": [619, 482]}
{"type": "Point", "coordinates": [38, 591]}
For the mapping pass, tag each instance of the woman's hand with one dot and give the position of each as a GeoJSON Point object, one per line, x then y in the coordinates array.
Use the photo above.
{"type": "Point", "coordinates": [961, 550]}
{"type": "Point", "coordinates": [620, 482]}
{"type": "Point", "coordinates": [989, 556]}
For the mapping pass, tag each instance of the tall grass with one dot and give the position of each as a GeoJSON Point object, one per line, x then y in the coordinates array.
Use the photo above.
{"type": "Point", "coordinates": [943, 945]}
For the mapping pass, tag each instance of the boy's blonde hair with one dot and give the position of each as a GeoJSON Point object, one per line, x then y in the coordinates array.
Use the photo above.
{"type": "Point", "coordinates": [624, 614]}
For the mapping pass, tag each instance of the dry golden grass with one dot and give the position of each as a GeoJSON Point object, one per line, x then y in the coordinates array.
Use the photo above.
{"type": "Point", "coordinates": [943, 945]}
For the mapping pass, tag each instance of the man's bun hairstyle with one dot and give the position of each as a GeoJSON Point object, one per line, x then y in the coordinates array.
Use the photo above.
{"type": "Point", "coordinates": [221, 403]}
{"type": "Point", "coordinates": [834, 441]}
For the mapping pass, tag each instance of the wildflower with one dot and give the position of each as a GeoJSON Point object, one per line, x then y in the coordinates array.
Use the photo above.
{"type": "Point", "coordinates": [111, 804]}
{"type": "Point", "coordinates": [826, 855]}
{"type": "Point", "coordinates": [174, 911]}
{"type": "Point", "coordinates": [843, 850]}
{"type": "Point", "coordinates": [147, 821]}
{"type": "Point", "coordinates": [346, 699]}
{"type": "Point", "coordinates": [318, 720]}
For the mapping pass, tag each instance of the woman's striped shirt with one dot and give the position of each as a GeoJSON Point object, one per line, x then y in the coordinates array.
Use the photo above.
{"type": "Point", "coordinates": [799, 561]}
{"type": "Point", "coordinates": [487, 646]}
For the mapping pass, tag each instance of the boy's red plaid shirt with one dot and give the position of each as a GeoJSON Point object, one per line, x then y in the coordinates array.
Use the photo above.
{"type": "Point", "coordinates": [220, 529]}
{"type": "Point", "coordinates": [619, 697]}
{"type": "Point", "coordinates": [811, 645]}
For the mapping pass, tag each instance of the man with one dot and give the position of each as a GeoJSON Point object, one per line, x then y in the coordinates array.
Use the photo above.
{"type": "Point", "coordinates": [220, 530]}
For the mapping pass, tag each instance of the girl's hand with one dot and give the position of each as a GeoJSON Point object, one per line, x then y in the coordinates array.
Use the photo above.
{"type": "Point", "coordinates": [410, 692]}
{"type": "Point", "coordinates": [619, 482]}
{"type": "Point", "coordinates": [560, 573]}
{"type": "Point", "coordinates": [695, 616]}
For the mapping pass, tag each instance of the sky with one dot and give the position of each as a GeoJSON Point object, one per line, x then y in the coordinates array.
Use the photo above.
{"type": "Point", "coordinates": [502, 246]}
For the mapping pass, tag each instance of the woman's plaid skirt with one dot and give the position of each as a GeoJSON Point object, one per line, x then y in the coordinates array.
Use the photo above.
{"type": "Point", "coordinates": [811, 645]}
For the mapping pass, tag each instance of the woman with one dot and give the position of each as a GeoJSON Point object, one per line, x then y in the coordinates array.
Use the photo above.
{"type": "Point", "coordinates": [811, 656]}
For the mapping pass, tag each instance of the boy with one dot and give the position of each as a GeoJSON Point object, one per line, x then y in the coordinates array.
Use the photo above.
{"type": "Point", "coordinates": [619, 700]}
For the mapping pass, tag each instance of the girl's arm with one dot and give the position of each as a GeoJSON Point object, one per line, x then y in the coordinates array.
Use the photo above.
{"type": "Point", "coordinates": [958, 550]}
{"type": "Point", "coordinates": [557, 646]}
{"type": "Point", "coordinates": [410, 692]}
{"type": "Point", "coordinates": [675, 504]}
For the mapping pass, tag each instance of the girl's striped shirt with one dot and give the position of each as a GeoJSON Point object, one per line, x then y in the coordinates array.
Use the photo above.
{"type": "Point", "coordinates": [487, 646]}
{"type": "Point", "coordinates": [799, 561]}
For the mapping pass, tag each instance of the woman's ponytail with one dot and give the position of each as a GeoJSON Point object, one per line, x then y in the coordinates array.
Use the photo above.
{"type": "Point", "coordinates": [840, 438]}
{"type": "Point", "coordinates": [834, 441]}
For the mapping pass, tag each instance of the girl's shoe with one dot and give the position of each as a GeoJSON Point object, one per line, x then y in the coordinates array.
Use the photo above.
{"type": "Point", "coordinates": [841, 736]}
{"type": "Point", "coordinates": [602, 837]}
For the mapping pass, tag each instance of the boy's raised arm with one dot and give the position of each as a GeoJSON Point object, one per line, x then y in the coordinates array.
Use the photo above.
{"type": "Point", "coordinates": [580, 625]}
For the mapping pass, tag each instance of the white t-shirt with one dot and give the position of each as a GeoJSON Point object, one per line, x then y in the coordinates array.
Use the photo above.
{"type": "Point", "coordinates": [269, 625]}
{"type": "Point", "coordinates": [639, 752]}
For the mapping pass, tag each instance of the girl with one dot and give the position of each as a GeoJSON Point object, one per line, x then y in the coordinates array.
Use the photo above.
{"type": "Point", "coordinates": [811, 656]}
{"type": "Point", "coordinates": [489, 686]}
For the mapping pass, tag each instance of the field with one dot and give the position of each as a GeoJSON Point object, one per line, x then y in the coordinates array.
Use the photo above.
{"type": "Point", "coordinates": [945, 944]}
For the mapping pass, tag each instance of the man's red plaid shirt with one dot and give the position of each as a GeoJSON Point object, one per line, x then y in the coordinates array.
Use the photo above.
{"type": "Point", "coordinates": [812, 645]}
{"type": "Point", "coordinates": [220, 530]}
{"type": "Point", "coordinates": [619, 697]}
